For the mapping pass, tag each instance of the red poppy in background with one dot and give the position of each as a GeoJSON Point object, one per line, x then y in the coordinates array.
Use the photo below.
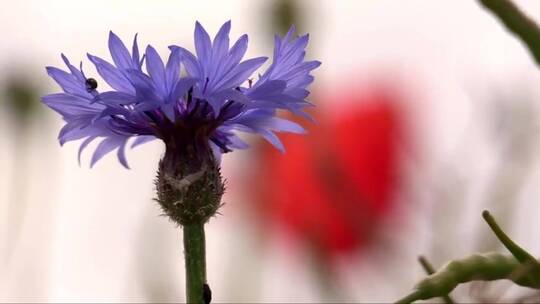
{"type": "Point", "coordinates": [333, 187]}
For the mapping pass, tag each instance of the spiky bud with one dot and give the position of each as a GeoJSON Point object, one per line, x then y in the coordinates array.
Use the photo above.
{"type": "Point", "coordinates": [189, 183]}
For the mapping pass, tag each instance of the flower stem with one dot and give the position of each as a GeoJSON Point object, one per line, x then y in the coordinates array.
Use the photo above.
{"type": "Point", "coordinates": [195, 259]}
{"type": "Point", "coordinates": [519, 253]}
{"type": "Point", "coordinates": [428, 268]}
{"type": "Point", "coordinates": [516, 22]}
{"type": "Point", "coordinates": [410, 298]}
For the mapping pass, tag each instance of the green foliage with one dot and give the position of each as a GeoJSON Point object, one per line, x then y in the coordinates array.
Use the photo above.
{"type": "Point", "coordinates": [520, 268]}
{"type": "Point", "coordinates": [283, 14]}
{"type": "Point", "coordinates": [484, 267]}
{"type": "Point", "coordinates": [22, 98]}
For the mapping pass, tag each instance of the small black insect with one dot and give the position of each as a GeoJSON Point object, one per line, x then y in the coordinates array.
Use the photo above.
{"type": "Point", "coordinates": [207, 294]}
{"type": "Point", "coordinates": [91, 84]}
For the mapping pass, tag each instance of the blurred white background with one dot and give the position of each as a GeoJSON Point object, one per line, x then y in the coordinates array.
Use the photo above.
{"type": "Point", "coordinates": [73, 234]}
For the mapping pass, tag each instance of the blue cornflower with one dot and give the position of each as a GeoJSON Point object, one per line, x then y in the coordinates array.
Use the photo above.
{"type": "Point", "coordinates": [195, 103]}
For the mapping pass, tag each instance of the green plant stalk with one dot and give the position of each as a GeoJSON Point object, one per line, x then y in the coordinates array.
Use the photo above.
{"type": "Point", "coordinates": [483, 267]}
{"type": "Point", "coordinates": [429, 269]}
{"type": "Point", "coordinates": [516, 22]}
{"type": "Point", "coordinates": [519, 253]}
{"type": "Point", "coordinates": [195, 259]}
{"type": "Point", "coordinates": [478, 267]}
{"type": "Point", "coordinates": [521, 268]}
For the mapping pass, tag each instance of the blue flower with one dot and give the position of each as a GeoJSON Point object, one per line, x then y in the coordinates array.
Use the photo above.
{"type": "Point", "coordinates": [201, 109]}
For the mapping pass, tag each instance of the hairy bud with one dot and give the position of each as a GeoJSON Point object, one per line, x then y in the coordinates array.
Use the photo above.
{"type": "Point", "coordinates": [189, 184]}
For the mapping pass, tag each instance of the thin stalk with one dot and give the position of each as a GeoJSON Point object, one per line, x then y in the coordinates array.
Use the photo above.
{"type": "Point", "coordinates": [410, 298]}
{"type": "Point", "coordinates": [428, 268]}
{"type": "Point", "coordinates": [519, 253]}
{"type": "Point", "coordinates": [195, 259]}
{"type": "Point", "coordinates": [516, 22]}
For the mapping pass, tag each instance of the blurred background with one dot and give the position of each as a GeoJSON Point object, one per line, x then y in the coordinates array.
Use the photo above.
{"type": "Point", "coordinates": [427, 113]}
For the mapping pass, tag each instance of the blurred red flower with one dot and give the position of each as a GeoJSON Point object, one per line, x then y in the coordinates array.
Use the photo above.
{"type": "Point", "coordinates": [333, 187]}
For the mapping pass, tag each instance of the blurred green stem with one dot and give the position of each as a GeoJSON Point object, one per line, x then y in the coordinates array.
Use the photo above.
{"type": "Point", "coordinates": [517, 22]}
{"type": "Point", "coordinates": [416, 295]}
{"type": "Point", "coordinates": [195, 259]}
{"type": "Point", "coordinates": [428, 268]}
{"type": "Point", "coordinates": [519, 253]}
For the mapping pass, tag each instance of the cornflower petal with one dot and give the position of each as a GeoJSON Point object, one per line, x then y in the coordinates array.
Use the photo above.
{"type": "Point", "coordinates": [189, 60]}
{"type": "Point", "coordinates": [67, 81]}
{"type": "Point", "coordinates": [156, 70]}
{"type": "Point", "coordinates": [105, 146]}
{"type": "Point", "coordinates": [203, 46]}
{"type": "Point", "coordinates": [137, 62]}
{"type": "Point", "coordinates": [119, 53]}
{"type": "Point", "coordinates": [83, 146]}
{"type": "Point", "coordinates": [111, 75]}
{"type": "Point", "coordinates": [242, 71]}
{"type": "Point", "coordinates": [172, 71]}
{"type": "Point", "coordinates": [142, 140]}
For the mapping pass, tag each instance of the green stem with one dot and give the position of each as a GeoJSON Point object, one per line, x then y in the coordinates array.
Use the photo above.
{"type": "Point", "coordinates": [517, 22]}
{"type": "Point", "coordinates": [428, 268]}
{"type": "Point", "coordinates": [195, 257]}
{"type": "Point", "coordinates": [410, 298]}
{"type": "Point", "coordinates": [519, 253]}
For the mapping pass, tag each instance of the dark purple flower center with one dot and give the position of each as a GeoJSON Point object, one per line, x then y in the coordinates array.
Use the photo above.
{"type": "Point", "coordinates": [194, 126]}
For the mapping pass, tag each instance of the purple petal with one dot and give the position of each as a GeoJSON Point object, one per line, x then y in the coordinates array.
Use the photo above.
{"type": "Point", "coordinates": [273, 139]}
{"type": "Point", "coordinates": [234, 57]}
{"type": "Point", "coordinates": [111, 75]}
{"type": "Point", "coordinates": [121, 154]}
{"type": "Point", "coordinates": [293, 53]}
{"type": "Point", "coordinates": [70, 105]}
{"type": "Point", "coordinates": [156, 69]}
{"type": "Point", "coordinates": [142, 140]}
{"type": "Point", "coordinates": [203, 46]}
{"type": "Point", "coordinates": [168, 110]}
{"type": "Point", "coordinates": [236, 143]}
{"type": "Point", "coordinates": [182, 86]}
{"type": "Point", "coordinates": [231, 94]}
{"type": "Point", "coordinates": [221, 41]}
{"type": "Point", "coordinates": [67, 82]}
{"type": "Point", "coordinates": [237, 52]}
{"type": "Point", "coordinates": [74, 71]}
{"type": "Point", "coordinates": [144, 87]}
{"type": "Point", "coordinates": [301, 82]}
{"type": "Point", "coordinates": [283, 125]}
{"type": "Point", "coordinates": [268, 88]}
{"type": "Point", "coordinates": [74, 130]}
{"type": "Point", "coordinates": [119, 52]}
{"type": "Point", "coordinates": [240, 73]}
{"type": "Point", "coordinates": [218, 99]}
{"type": "Point", "coordinates": [290, 33]}
{"type": "Point", "coordinates": [172, 71]}
{"type": "Point", "coordinates": [83, 146]}
{"type": "Point", "coordinates": [115, 98]}
{"type": "Point", "coordinates": [302, 69]}
{"type": "Point", "coordinates": [135, 52]}
{"type": "Point", "coordinates": [219, 51]}
{"type": "Point", "coordinates": [189, 60]}
{"type": "Point", "coordinates": [111, 111]}
{"type": "Point", "coordinates": [104, 147]}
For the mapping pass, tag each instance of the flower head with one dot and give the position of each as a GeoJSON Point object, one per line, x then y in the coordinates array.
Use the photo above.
{"type": "Point", "coordinates": [198, 111]}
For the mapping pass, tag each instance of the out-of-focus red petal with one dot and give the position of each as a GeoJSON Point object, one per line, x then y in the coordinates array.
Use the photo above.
{"type": "Point", "coordinates": [332, 187]}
